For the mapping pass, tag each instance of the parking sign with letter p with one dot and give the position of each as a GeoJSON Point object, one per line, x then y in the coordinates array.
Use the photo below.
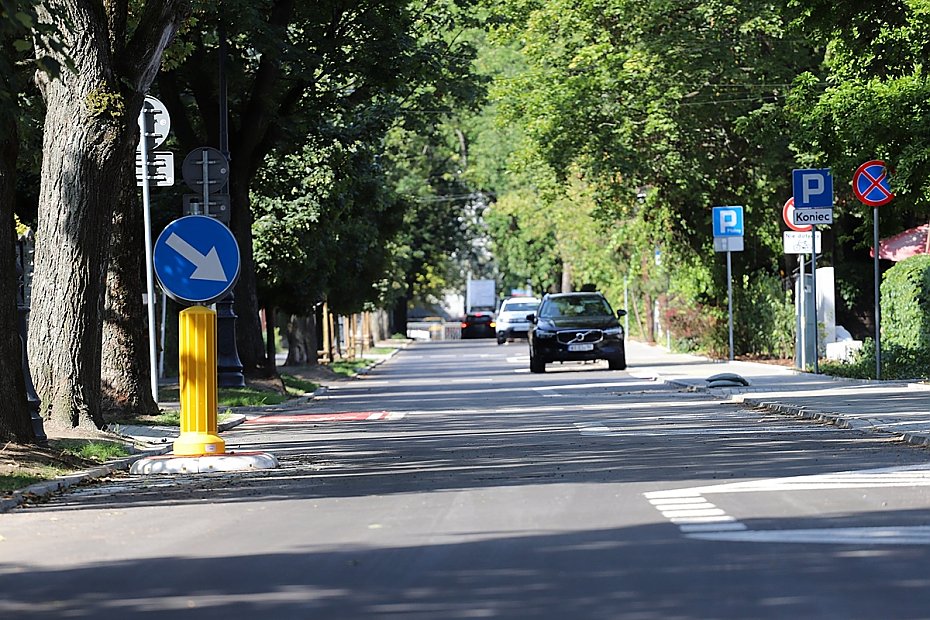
{"type": "Point", "coordinates": [812, 188]}
{"type": "Point", "coordinates": [728, 221]}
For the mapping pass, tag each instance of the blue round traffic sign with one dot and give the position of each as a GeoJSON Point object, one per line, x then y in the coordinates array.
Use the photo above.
{"type": "Point", "coordinates": [196, 259]}
{"type": "Point", "coordinates": [870, 184]}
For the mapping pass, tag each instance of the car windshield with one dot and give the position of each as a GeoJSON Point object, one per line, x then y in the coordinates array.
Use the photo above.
{"type": "Point", "coordinates": [575, 306]}
{"type": "Point", "coordinates": [525, 306]}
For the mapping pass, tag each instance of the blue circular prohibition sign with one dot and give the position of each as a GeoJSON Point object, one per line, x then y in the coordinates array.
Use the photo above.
{"type": "Point", "coordinates": [871, 185]}
{"type": "Point", "coordinates": [196, 259]}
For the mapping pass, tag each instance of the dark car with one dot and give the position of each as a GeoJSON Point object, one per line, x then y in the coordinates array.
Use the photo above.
{"type": "Point", "coordinates": [478, 325]}
{"type": "Point", "coordinates": [576, 327]}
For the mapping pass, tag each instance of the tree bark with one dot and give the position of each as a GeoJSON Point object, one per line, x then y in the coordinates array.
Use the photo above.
{"type": "Point", "coordinates": [90, 136]}
{"type": "Point", "coordinates": [126, 369]}
{"type": "Point", "coordinates": [302, 345]}
{"type": "Point", "coordinates": [249, 342]}
{"type": "Point", "coordinates": [15, 421]}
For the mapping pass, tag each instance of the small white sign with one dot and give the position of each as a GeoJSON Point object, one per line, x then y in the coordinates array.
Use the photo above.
{"type": "Point", "coordinates": [728, 244]}
{"type": "Point", "coordinates": [803, 217]}
{"type": "Point", "coordinates": [799, 242]}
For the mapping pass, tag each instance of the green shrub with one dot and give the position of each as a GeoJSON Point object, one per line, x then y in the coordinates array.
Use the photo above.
{"type": "Point", "coordinates": [763, 317]}
{"type": "Point", "coordinates": [905, 304]}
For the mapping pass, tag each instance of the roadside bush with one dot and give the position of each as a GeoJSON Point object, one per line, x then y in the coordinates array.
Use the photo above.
{"type": "Point", "coordinates": [905, 300]}
{"type": "Point", "coordinates": [763, 318]}
{"type": "Point", "coordinates": [702, 329]}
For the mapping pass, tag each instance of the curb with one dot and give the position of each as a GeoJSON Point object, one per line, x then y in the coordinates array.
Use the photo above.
{"type": "Point", "coordinates": [41, 490]}
{"type": "Point", "coordinates": [802, 412]}
{"type": "Point", "coordinates": [45, 489]}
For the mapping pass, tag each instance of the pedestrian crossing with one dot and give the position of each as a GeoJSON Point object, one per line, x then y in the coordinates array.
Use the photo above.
{"type": "Point", "coordinates": [699, 518]}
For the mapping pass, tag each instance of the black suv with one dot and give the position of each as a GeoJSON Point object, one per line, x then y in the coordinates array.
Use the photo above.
{"type": "Point", "coordinates": [576, 327]}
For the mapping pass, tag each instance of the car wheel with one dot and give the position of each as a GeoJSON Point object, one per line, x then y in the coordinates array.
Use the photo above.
{"type": "Point", "coordinates": [536, 364]}
{"type": "Point", "coordinates": [617, 363]}
{"type": "Point", "coordinates": [501, 340]}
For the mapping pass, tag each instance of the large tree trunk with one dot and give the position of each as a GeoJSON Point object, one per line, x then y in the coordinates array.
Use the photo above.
{"type": "Point", "coordinates": [302, 345]}
{"type": "Point", "coordinates": [126, 369]}
{"type": "Point", "coordinates": [90, 136]}
{"type": "Point", "coordinates": [15, 421]}
{"type": "Point", "coordinates": [249, 341]}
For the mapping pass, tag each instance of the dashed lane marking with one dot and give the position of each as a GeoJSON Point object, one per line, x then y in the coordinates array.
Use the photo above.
{"type": "Point", "coordinates": [347, 416]}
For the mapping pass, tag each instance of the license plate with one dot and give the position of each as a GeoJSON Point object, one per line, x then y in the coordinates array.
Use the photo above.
{"type": "Point", "coordinates": [581, 346]}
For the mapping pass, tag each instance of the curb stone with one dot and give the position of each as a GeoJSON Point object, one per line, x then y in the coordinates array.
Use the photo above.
{"type": "Point", "coordinates": [50, 487]}
{"type": "Point", "coordinates": [836, 419]}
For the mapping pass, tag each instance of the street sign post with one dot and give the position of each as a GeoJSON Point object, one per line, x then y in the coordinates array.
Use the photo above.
{"type": "Point", "coordinates": [871, 187]}
{"type": "Point", "coordinates": [196, 259]}
{"type": "Point", "coordinates": [728, 237]}
{"type": "Point", "coordinates": [154, 125]}
{"type": "Point", "coordinates": [206, 171]}
{"type": "Point", "coordinates": [812, 191]}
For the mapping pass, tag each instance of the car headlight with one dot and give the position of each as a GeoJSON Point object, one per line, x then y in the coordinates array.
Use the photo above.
{"type": "Point", "coordinates": [613, 331]}
{"type": "Point", "coordinates": [542, 333]}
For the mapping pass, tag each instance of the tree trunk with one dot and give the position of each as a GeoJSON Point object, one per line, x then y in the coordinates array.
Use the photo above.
{"type": "Point", "coordinates": [270, 352]}
{"type": "Point", "coordinates": [15, 421]}
{"type": "Point", "coordinates": [302, 341]}
{"type": "Point", "coordinates": [249, 341]}
{"type": "Point", "coordinates": [399, 316]}
{"type": "Point", "coordinates": [90, 135]}
{"type": "Point", "coordinates": [126, 369]}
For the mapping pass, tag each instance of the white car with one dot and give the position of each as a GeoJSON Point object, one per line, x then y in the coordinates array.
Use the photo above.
{"type": "Point", "coordinates": [511, 318]}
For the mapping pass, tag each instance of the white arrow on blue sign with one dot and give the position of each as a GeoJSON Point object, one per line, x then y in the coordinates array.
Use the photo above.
{"type": "Point", "coordinates": [728, 221]}
{"type": "Point", "coordinates": [812, 188]}
{"type": "Point", "coordinates": [196, 259]}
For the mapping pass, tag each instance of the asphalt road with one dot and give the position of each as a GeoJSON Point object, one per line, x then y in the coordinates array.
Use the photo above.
{"type": "Point", "coordinates": [452, 483]}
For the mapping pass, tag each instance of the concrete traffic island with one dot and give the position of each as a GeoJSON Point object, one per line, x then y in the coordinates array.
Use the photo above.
{"type": "Point", "coordinates": [175, 464]}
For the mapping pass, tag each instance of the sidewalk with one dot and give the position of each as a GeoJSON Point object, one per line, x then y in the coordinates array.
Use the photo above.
{"type": "Point", "coordinates": [899, 408]}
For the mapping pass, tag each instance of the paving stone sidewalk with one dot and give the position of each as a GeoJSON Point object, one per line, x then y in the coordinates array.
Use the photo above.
{"type": "Point", "coordinates": [900, 408]}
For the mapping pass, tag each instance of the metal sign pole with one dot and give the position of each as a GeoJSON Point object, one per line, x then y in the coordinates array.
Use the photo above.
{"type": "Point", "coordinates": [802, 314]}
{"type": "Point", "coordinates": [149, 270]}
{"type": "Point", "coordinates": [205, 163]}
{"type": "Point", "coordinates": [878, 309]}
{"type": "Point", "coordinates": [814, 295]}
{"type": "Point", "coordinates": [730, 300]}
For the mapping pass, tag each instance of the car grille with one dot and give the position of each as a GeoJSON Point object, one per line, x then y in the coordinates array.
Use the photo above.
{"type": "Point", "coordinates": [579, 335]}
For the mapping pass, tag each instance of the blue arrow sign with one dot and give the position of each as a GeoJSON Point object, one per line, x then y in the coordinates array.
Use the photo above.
{"type": "Point", "coordinates": [196, 259]}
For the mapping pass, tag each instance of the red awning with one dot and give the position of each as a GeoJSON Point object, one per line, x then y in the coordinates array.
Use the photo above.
{"type": "Point", "coordinates": [903, 245]}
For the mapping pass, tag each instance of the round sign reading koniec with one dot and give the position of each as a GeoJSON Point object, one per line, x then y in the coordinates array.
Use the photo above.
{"type": "Point", "coordinates": [870, 184]}
{"type": "Point", "coordinates": [787, 215]}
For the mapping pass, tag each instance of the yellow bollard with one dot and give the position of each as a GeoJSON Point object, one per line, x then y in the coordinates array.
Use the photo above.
{"type": "Point", "coordinates": [197, 369]}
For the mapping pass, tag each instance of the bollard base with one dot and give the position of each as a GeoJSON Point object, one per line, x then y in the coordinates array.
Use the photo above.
{"type": "Point", "coordinates": [199, 444]}
{"type": "Point", "coordinates": [239, 461]}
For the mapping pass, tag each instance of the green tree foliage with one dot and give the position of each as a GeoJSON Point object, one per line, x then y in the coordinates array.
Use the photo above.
{"type": "Point", "coordinates": [310, 83]}
{"type": "Point", "coordinates": [323, 222]}
{"type": "Point", "coordinates": [664, 110]}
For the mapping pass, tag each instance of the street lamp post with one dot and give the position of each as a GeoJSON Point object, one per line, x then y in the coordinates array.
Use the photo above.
{"type": "Point", "coordinates": [229, 367]}
{"type": "Point", "coordinates": [32, 399]}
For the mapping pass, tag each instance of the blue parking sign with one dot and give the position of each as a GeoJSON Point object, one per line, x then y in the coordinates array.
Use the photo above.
{"type": "Point", "coordinates": [728, 221]}
{"type": "Point", "coordinates": [812, 188]}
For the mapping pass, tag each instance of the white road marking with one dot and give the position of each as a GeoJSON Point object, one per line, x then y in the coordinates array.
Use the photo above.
{"type": "Point", "coordinates": [699, 519]}
{"type": "Point", "coordinates": [915, 535]}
